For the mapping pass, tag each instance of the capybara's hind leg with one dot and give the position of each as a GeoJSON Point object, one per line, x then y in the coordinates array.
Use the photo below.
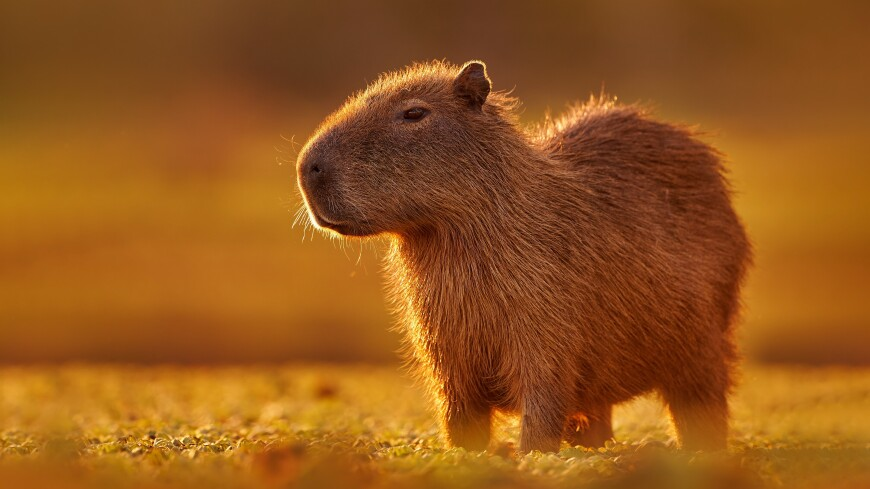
{"type": "Point", "coordinates": [700, 414]}
{"type": "Point", "coordinates": [590, 429]}
{"type": "Point", "coordinates": [468, 426]}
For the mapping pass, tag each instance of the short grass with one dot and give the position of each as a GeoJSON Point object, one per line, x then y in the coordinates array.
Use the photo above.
{"type": "Point", "coordinates": [360, 426]}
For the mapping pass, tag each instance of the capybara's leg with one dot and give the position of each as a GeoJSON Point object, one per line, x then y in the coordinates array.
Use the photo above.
{"type": "Point", "coordinates": [468, 425]}
{"type": "Point", "coordinates": [700, 414]}
{"type": "Point", "coordinates": [543, 421]}
{"type": "Point", "coordinates": [590, 429]}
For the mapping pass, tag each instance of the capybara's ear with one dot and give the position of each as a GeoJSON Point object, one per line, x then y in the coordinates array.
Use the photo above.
{"type": "Point", "coordinates": [472, 85]}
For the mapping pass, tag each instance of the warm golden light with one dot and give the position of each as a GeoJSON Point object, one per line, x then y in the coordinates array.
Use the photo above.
{"type": "Point", "coordinates": [144, 217]}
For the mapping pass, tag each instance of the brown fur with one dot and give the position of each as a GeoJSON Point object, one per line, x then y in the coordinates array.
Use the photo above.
{"type": "Point", "coordinates": [551, 272]}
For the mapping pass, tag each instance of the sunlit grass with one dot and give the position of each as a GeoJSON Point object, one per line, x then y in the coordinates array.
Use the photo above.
{"type": "Point", "coordinates": [369, 427]}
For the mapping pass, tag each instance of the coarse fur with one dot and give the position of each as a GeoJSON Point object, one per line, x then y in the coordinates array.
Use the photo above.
{"type": "Point", "coordinates": [551, 272]}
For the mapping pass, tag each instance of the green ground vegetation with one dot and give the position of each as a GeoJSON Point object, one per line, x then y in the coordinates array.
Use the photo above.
{"type": "Point", "coordinates": [361, 426]}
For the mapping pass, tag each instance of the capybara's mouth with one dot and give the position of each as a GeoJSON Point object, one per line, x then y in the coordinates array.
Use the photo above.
{"type": "Point", "coordinates": [340, 226]}
{"type": "Point", "coordinates": [345, 228]}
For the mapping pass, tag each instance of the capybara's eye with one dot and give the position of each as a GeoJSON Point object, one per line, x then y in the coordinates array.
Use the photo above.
{"type": "Point", "coordinates": [415, 114]}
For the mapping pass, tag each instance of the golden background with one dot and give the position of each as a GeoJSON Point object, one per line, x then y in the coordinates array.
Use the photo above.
{"type": "Point", "coordinates": [147, 152]}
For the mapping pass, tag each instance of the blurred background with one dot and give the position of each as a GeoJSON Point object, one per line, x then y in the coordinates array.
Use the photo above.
{"type": "Point", "coordinates": [147, 151]}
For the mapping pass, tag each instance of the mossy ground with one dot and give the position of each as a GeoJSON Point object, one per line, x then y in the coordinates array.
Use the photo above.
{"type": "Point", "coordinates": [360, 426]}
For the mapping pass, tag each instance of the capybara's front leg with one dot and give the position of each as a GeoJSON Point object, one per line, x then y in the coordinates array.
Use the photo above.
{"type": "Point", "coordinates": [468, 424]}
{"type": "Point", "coordinates": [543, 421]}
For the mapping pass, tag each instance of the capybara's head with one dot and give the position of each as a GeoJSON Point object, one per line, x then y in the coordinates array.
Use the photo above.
{"type": "Point", "coordinates": [409, 150]}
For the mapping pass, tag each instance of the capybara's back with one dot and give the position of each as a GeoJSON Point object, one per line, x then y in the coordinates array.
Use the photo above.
{"type": "Point", "coordinates": [665, 256]}
{"type": "Point", "coordinates": [551, 272]}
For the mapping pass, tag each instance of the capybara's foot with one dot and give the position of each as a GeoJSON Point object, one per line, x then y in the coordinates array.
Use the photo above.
{"type": "Point", "coordinates": [590, 430]}
{"type": "Point", "coordinates": [469, 428]}
{"type": "Point", "coordinates": [700, 418]}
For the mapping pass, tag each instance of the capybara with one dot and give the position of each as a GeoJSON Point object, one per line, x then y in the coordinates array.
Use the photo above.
{"type": "Point", "coordinates": [551, 271]}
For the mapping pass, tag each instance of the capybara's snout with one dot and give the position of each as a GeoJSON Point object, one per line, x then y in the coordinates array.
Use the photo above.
{"type": "Point", "coordinates": [319, 178]}
{"type": "Point", "coordinates": [314, 172]}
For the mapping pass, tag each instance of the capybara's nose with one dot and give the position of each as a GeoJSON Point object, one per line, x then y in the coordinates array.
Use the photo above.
{"type": "Point", "coordinates": [314, 171]}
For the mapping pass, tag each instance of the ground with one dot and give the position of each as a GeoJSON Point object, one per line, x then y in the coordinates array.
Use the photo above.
{"type": "Point", "coordinates": [362, 426]}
